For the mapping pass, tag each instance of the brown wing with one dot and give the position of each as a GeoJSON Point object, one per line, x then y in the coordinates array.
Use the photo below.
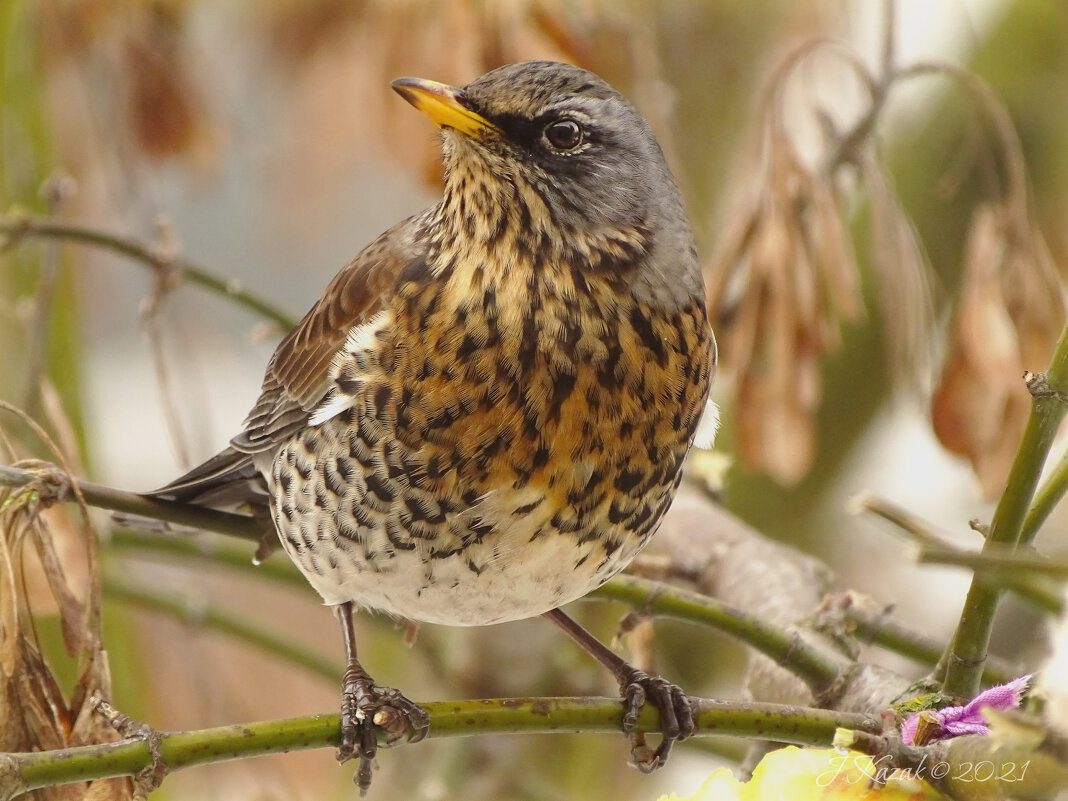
{"type": "Point", "coordinates": [298, 375]}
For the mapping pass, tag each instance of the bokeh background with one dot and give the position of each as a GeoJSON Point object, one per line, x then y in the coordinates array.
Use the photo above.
{"type": "Point", "coordinates": [261, 140]}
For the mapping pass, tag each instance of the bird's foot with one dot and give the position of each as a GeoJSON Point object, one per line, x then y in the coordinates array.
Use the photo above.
{"type": "Point", "coordinates": [365, 707]}
{"type": "Point", "coordinates": [676, 716]}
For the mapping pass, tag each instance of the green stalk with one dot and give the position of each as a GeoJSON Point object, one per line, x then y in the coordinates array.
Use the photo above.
{"type": "Point", "coordinates": [1036, 581]}
{"type": "Point", "coordinates": [876, 629]}
{"type": "Point", "coordinates": [22, 772]}
{"type": "Point", "coordinates": [1047, 497]}
{"type": "Point", "coordinates": [207, 549]}
{"type": "Point", "coordinates": [972, 638]}
{"type": "Point", "coordinates": [810, 665]}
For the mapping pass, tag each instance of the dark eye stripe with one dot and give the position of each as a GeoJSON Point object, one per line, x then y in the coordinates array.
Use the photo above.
{"type": "Point", "coordinates": [521, 130]}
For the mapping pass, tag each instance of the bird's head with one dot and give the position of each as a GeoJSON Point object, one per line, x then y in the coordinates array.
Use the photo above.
{"type": "Point", "coordinates": [564, 136]}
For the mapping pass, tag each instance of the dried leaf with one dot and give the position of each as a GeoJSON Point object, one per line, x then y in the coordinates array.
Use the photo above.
{"type": "Point", "coordinates": [790, 263]}
{"type": "Point", "coordinates": [904, 278]}
{"type": "Point", "coordinates": [71, 613]}
{"type": "Point", "coordinates": [34, 714]}
{"type": "Point", "coordinates": [44, 712]}
{"type": "Point", "coordinates": [1010, 311]}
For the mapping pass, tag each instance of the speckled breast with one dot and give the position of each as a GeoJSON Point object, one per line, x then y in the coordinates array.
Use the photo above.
{"type": "Point", "coordinates": [498, 459]}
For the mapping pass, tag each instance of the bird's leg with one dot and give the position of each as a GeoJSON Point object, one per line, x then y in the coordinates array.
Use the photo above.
{"type": "Point", "coordinates": [365, 706]}
{"type": "Point", "coordinates": [675, 707]}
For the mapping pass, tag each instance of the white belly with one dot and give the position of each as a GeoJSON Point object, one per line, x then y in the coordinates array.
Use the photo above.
{"type": "Point", "coordinates": [543, 576]}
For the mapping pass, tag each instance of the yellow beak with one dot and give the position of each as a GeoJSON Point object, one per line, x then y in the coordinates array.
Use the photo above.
{"type": "Point", "coordinates": [442, 103]}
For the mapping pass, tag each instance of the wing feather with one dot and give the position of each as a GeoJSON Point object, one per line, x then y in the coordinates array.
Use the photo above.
{"type": "Point", "coordinates": [298, 375]}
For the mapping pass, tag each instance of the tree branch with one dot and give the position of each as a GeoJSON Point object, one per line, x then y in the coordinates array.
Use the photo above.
{"type": "Point", "coordinates": [208, 548]}
{"type": "Point", "coordinates": [20, 227]}
{"type": "Point", "coordinates": [1000, 566]}
{"type": "Point", "coordinates": [881, 630]}
{"type": "Point", "coordinates": [1047, 497]}
{"type": "Point", "coordinates": [22, 772]}
{"type": "Point", "coordinates": [972, 637]}
{"type": "Point", "coordinates": [815, 668]}
{"type": "Point", "coordinates": [1034, 581]}
{"type": "Point", "coordinates": [54, 483]}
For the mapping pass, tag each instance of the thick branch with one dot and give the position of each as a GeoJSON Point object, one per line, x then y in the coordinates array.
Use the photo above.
{"type": "Point", "coordinates": [20, 773]}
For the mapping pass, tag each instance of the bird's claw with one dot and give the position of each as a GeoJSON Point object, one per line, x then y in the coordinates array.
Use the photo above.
{"type": "Point", "coordinates": [676, 716]}
{"type": "Point", "coordinates": [365, 707]}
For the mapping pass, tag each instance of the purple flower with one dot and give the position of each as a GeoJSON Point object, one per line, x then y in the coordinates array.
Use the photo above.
{"type": "Point", "coordinates": [953, 721]}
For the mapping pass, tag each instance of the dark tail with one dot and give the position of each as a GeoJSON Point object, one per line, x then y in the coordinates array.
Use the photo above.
{"type": "Point", "coordinates": [227, 480]}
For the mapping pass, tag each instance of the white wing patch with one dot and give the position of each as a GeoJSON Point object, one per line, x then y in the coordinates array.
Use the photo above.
{"type": "Point", "coordinates": [361, 338]}
{"type": "Point", "coordinates": [707, 427]}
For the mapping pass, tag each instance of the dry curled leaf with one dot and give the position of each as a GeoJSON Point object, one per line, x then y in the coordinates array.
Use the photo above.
{"type": "Point", "coordinates": [34, 712]}
{"type": "Point", "coordinates": [904, 279]}
{"type": "Point", "coordinates": [1010, 311]}
{"type": "Point", "coordinates": [783, 280]}
{"type": "Point", "coordinates": [135, 60]}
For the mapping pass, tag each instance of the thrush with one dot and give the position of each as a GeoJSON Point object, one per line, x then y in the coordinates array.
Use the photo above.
{"type": "Point", "coordinates": [485, 415]}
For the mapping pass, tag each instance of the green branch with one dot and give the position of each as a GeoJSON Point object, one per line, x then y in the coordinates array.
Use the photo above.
{"type": "Point", "coordinates": [1047, 497]}
{"type": "Point", "coordinates": [972, 638]}
{"type": "Point", "coordinates": [875, 629]}
{"type": "Point", "coordinates": [1027, 576]}
{"type": "Point", "coordinates": [20, 227]}
{"type": "Point", "coordinates": [22, 772]}
{"type": "Point", "coordinates": [878, 629]}
{"type": "Point", "coordinates": [1039, 582]}
{"type": "Point", "coordinates": [816, 669]}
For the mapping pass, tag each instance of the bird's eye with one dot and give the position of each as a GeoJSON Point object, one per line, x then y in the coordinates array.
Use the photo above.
{"type": "Point", "coordinates": [564, 134]}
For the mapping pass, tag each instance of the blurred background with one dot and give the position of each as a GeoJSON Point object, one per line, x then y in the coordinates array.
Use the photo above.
{"type": "Point", "coordinates": [865, 296]}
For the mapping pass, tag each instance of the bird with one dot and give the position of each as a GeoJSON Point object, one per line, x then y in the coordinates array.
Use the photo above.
{"type": "Point", "coordinates": [486, 413]}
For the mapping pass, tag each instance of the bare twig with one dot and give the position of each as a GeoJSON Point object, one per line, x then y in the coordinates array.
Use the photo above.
{"type": "Point", "coordinates": [21, 227]}
{"type": "Point", "coordinates": [130, 503]}
{"type": "Point", "coordinates": [919, 530]}
{"type": "Point", "coordinates": [882, 630]}
{"type": "Point", "coordinates": [56, 190]}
